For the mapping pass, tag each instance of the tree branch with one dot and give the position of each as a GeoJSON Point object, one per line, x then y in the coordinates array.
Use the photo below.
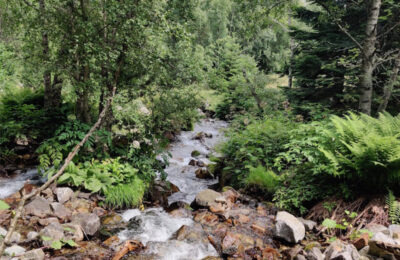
{"type": "Point", "coordinates": [25, 197]}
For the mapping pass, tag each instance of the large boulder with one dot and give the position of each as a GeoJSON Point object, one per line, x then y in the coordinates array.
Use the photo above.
{"type": "Point", "coordinates": [206, 197]}
{"type": "Point", "coordinates": [383, 245]}
{"type": "Point", "coordinates": [288, 227]}
{"type": "Point", "coordinates": [339, 250]}
{"type": "Point", "coordinates": [64, 194]}
{"type": "Point", "coordinates": [203, 173]}
{"type": "Point", "coordinates": [39, 207]}
{"type": "Point", "coordinates": [90, 223]}
{"type": "Point", "coordinates": [160, 191]}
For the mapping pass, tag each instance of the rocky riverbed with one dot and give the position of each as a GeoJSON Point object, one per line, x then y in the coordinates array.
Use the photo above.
{"type": "Point", "coordinates": [191, 220]}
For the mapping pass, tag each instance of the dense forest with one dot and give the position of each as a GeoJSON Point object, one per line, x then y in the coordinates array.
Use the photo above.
{"type": "Point", "coordinates": [200, 129]}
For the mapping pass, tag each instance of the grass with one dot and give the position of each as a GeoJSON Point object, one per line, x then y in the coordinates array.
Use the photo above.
{"type": "Point", "coordinates": [211, 97]}
{"type": "Point", "coordinates": [276, 80]}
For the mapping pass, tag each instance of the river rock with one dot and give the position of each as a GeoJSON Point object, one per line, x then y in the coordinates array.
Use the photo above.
{"type": "Point", "coordinates": [54, 231]}
{"type": "Point", "coordinates": [32, 235]}
{"type": "Point", "coordinates": [193, 234]}
{"type": "Point", "coordinates": [206, 197]}
{"type": "Point", "coordinates": [64, 194]}
{"type": "Point", "coordinates": [161, 190]}
{"type": "Point", "coordinates": [60, 211]}
{"type": "Point", "coordinates": [339, 250]}
{"type": "Point", "coordinates": [375, 228]}
{"type": "Point", "coordinates": [39, 207]}
{"type": "Point", "coordinates": [288, 227]}
{"type": "Point", "coordinates": [47, 221]}
{"type": "Point", "coordinates": [315, 254]}
{"type": "Point", "coordinates": [203, 173]}
{"type": "Point", "coordinates": [382, 245]}
{"type": "Point", "coordinates": [90, 223]}
{"type": "Point", "coordinates": [14, 250]}
{"type": "Point", "coordinates": [3, 232]}
{"type": "Point", "coordinates": [36, 254]}
{"type": "Point", "coordinates": [308, 224]}
{"type": "Point", "coordinates": [73, 231]}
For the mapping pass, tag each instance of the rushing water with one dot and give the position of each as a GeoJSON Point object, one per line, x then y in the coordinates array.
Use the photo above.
{"type": "Point", "coordinates": [154, 226]}
{"type": "Point", "coordinates": [9, 186]}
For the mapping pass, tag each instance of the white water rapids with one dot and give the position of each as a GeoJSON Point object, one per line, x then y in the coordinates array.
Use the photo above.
{"type": "Point", "coordinates": [155, 226]}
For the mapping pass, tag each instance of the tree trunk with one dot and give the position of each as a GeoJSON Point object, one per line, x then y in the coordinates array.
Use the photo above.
{"type": "Point", "coordinates": [52, 92]}
{"type": "Point", "coordinates": [387, 91]}
{"type": "Point", "coordinates": [368, 58]}
{"type": "Point", "coordinates": [291, 60]}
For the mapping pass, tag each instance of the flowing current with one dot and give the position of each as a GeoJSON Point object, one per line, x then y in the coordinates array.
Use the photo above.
{"type": "Point", "coordinates": [155, 226]}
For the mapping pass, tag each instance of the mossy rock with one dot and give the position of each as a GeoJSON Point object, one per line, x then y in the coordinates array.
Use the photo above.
{"type": "Point", "coordinates": [195, 153]}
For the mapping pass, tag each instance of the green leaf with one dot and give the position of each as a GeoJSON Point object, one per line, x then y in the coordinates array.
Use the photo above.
{"type": "Point", "coordinates": [46, 238]}
{"type": "Point", "coordinates": [329, 223]}
{"type": "Point", "coordinates": [71, 243]}
{"type": "Point", "coordinates": [3, 205]}
{"type": "Point", "coordinates": [56, 245]}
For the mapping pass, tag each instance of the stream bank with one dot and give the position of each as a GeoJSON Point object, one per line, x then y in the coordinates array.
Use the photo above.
{"type": "Point", "coordinates": [195, 223]}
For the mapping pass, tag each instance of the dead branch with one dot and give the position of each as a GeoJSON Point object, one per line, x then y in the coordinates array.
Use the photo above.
{"type": "Point", "coordinates": [71, 155]}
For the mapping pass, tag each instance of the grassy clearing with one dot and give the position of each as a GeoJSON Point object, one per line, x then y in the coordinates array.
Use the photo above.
{"type": "Point", "coordinates": [211, 97]}
{"type": "Point", "coordinates": [276, 80]}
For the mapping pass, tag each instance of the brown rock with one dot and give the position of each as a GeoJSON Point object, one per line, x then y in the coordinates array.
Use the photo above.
{"type": "Point", "coordinates": [73, 231]}
{"type": "Point", "coordinates": [203, 173]}
{"type": "Point", "coordinates": [217, 208]}
{"type": "Point", "coordinates": [111, 241]}
{"type": "Point", "coordinates": [206, 218]}
{"type": "Point", "coordinates": [39, 207]}
{"type": "Point", "coordinates": [258, 229]}
{"type": "Point", "coordinates": [230, 244]}
{"type": "Point", "coordinates": [60, 211]}
{"type": "Point", "coordinates": [47, 221]}
{"type": "Point", "coordinates": [362, 241]}
{"type": "Point", "coordinates": [99, 211]}
{"type": "Point", "coordinates": [243, 219]}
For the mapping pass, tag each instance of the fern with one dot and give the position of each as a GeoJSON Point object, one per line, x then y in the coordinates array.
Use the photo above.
{"type": "Point", "coordinates": [394, 208]}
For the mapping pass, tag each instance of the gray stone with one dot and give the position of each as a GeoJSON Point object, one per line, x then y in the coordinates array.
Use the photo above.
{"type": "Point", "coordinates": [60, 211]}
{"type": "Point", "coordinates": [15, 237]}
{"type": "Point", "coordinates": [364, 251]}
{"type": "Point", "coordinates": [54, 231]}
{"type": "Point", "coordinates": [47, 221]}
{"type": "Point", "coordinates": [315, 254]}
{"type": "Point", "coordinates": [288, 227]}
{"type": "Point", "coordinates": [300, 257]}
{"type": "Point", "coordinates": [14, 250]}
{"type": "Point", "coordinates": [339, 250]}
{"type": "Point", "coordinates": [381, 237]}
{"type": "Point", "coordinates": [3, 232]}
{"type": "Point", "coordinates": [207, 197]}
{"type": "Point", "coordinates": [64, 194]}
{"type": "Point", "coordinates": [39, 207]}
{"type": "Point", "coordinates": [73, 231]}
{"type": "Point", "coordinates": [375, 228]}
{"type": "Point", "coordinates": [308, 224]}
{"type": "Point", "coordinates": [36, 254]}
{"type": "Point", "coordinates": [32, 235]}
{"type": "Point", "coordinates": [90, 223]}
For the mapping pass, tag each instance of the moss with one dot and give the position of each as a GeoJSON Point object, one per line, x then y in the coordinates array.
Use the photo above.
{"type": "Point", "coordinates": [195, 153]}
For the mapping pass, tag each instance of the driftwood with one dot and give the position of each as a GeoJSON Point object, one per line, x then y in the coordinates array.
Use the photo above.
{"type": "Point", "coordinates": [27, 196]}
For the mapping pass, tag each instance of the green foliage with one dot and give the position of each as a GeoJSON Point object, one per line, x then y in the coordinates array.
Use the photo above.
{"type": "Point", "coordinates": [24, 119]}
{"type": "Point", "coordinates": [3, 205]}
{"type": "Point", "coordinates": [119, 182]}
{"type": "Point", "coordinates": [394, 208]}
{"type": "Point", "coordinates": [58, 244]}
{"type": "Point", "coordinates": [363, 150]}
{"type": "Point", "coordinates": [265, 179]}
{"type": "Point", "coordinates": [66, 137]}
{"type": "Point", "coordinates": [257, 145]}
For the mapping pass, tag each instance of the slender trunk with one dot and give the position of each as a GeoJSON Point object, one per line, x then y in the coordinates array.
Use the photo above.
{"type": "Point", "coordinates": [291, 61]}
{"type": "Point", "coordinates": [388, 89]}
{"type": "Point", "coordinates": [369, 59]}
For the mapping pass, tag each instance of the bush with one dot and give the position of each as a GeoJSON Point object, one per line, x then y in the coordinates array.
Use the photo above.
{"type": "Point", "coordinates": [257, 145]}
{"type": "Point", "coordinates": [265, 179]}
{"type": "Point", "coordinates": [119, 182]}
{"type": "Point", "coordinates": [23, 118]}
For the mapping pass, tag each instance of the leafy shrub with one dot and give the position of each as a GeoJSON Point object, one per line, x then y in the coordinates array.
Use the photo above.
{"type": "Point", "coordinates": [363, 150]}
{"type": "Point", "coordinates": [22, 117]}
{"type": "Point", "coordinates": [54, 150]}
{"type": "Point", "coordinates": [257, 145]}
{"type": "Point", "coordinates": [119, 182]}
{"type": "Point", "coordinates": [265, 179]}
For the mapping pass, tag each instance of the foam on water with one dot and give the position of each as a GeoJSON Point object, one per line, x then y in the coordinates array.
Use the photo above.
{"type": "Point", "coordinates": [8, 186]}
{"type": "Point", "coordinates": [154, 227]}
